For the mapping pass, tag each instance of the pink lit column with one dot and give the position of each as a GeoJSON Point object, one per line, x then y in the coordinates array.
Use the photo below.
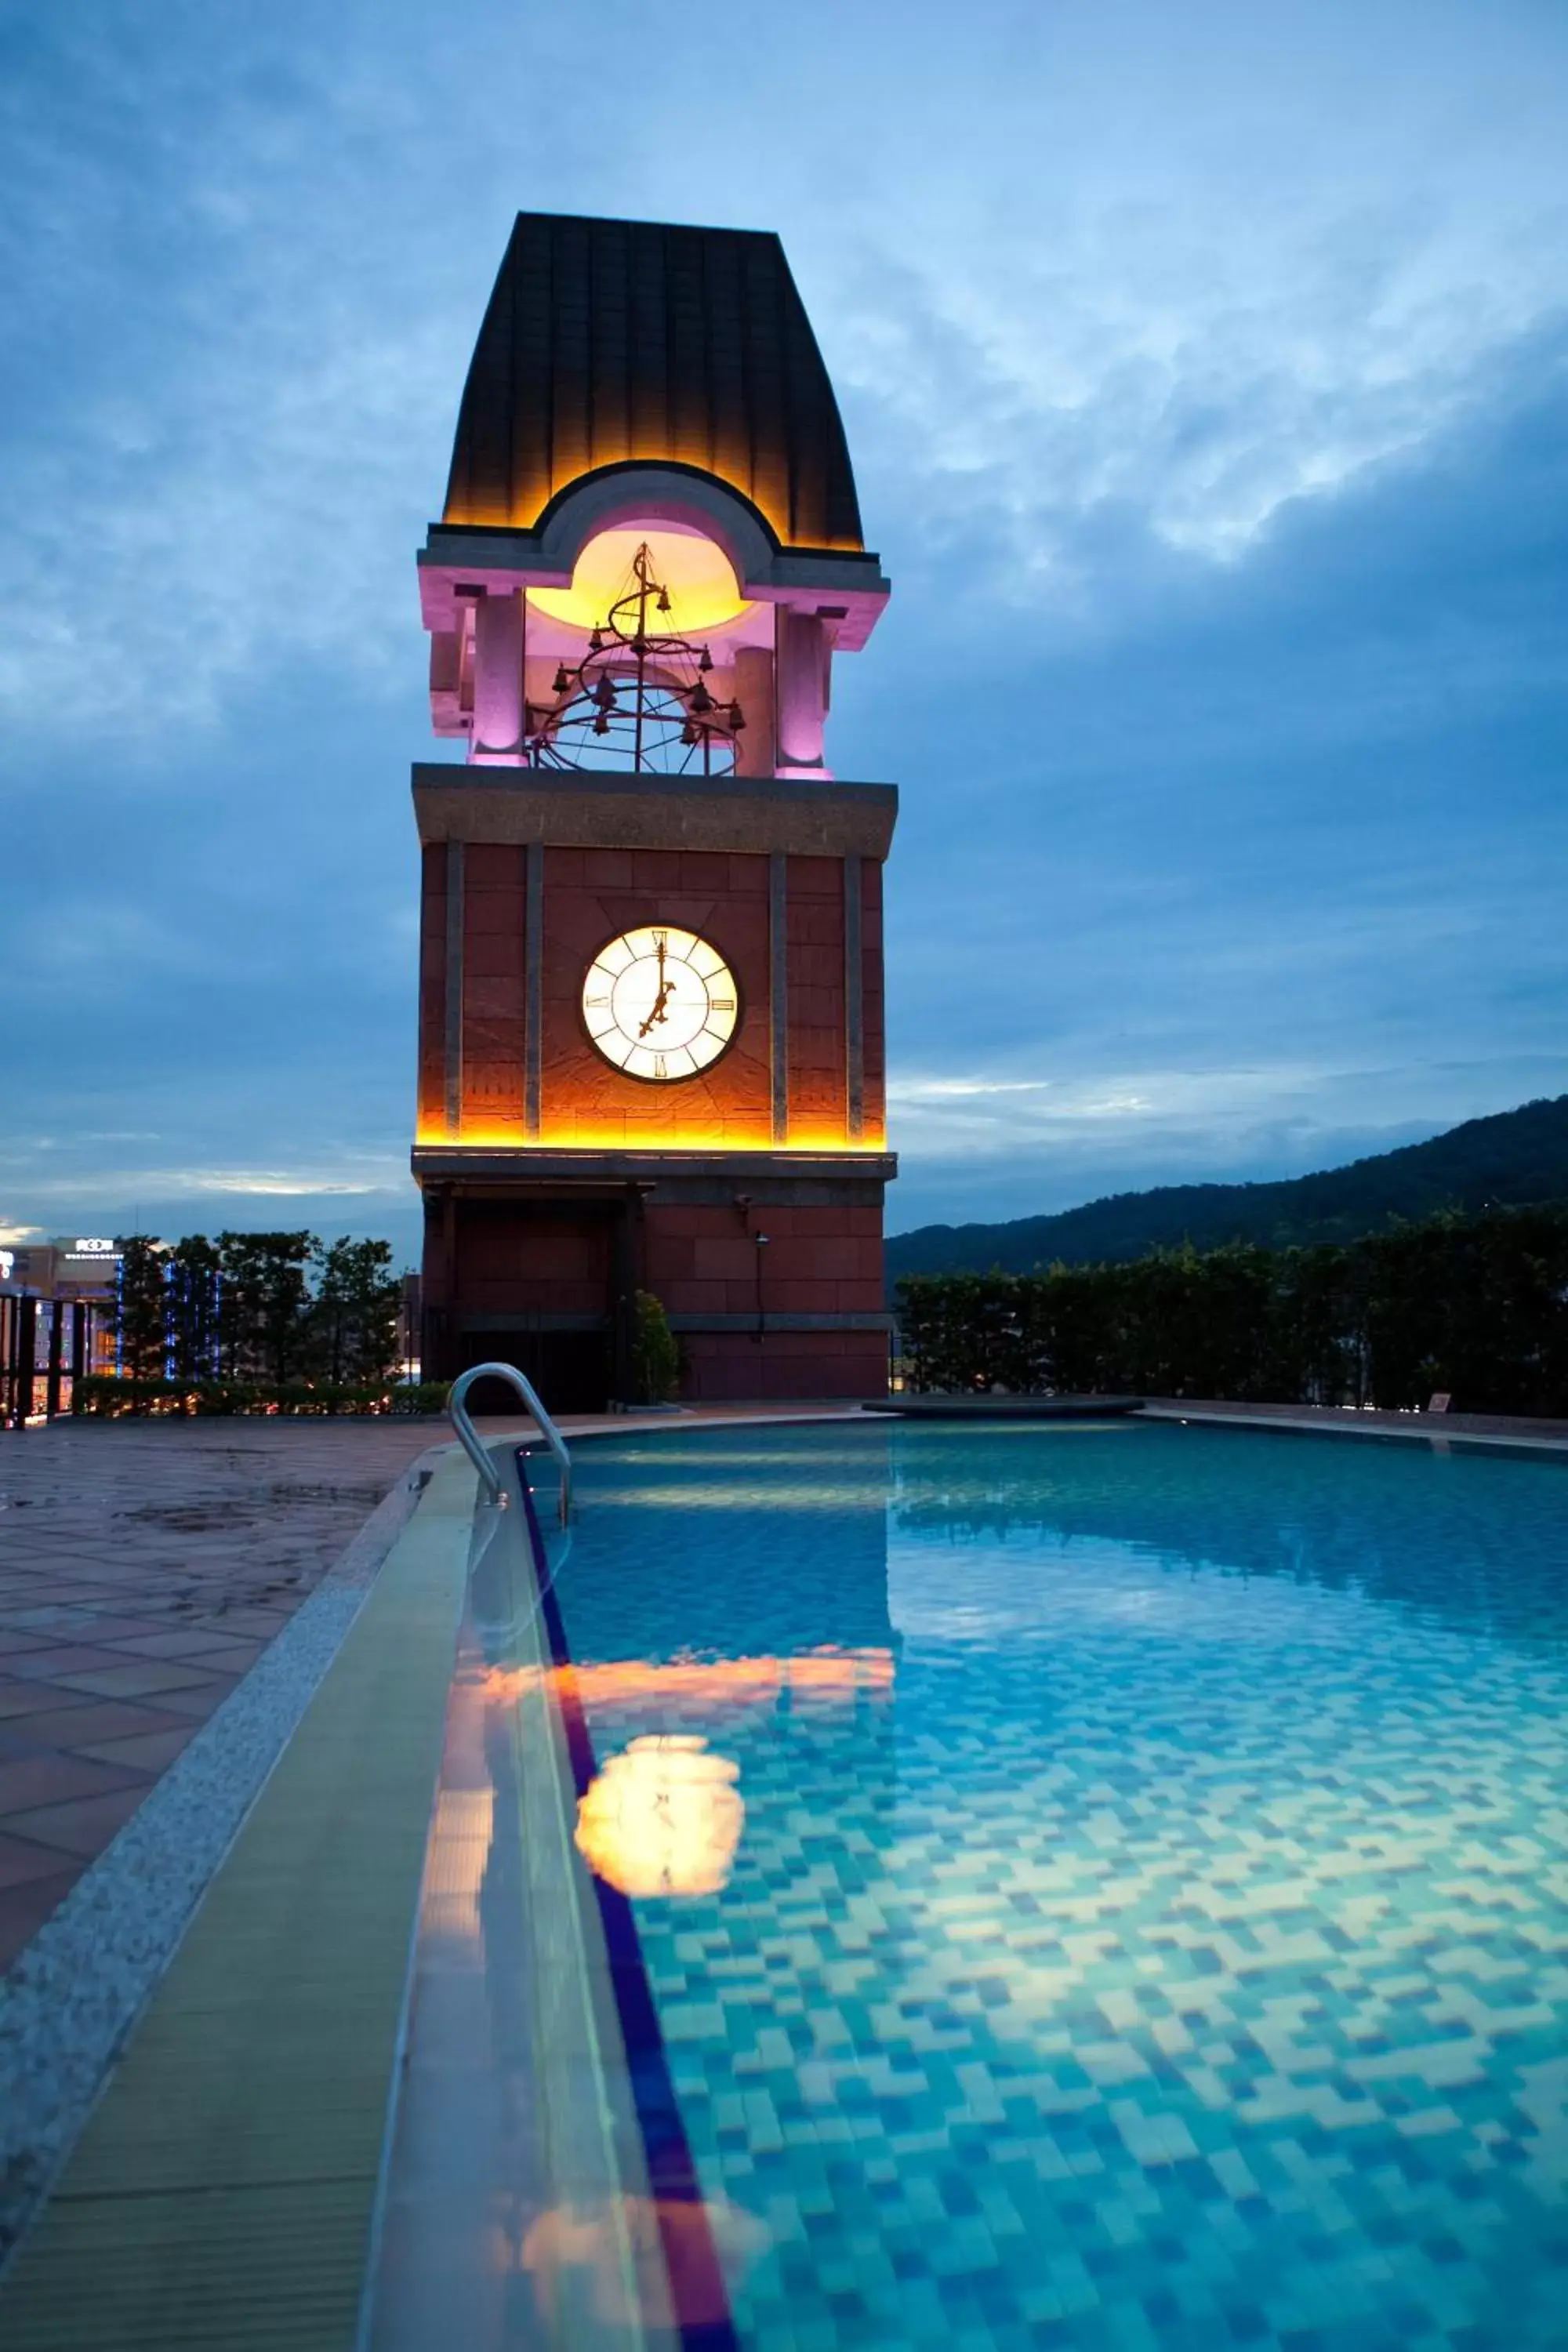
{"type": "Point", "coordinates": [498, 681]}
{"type": "Point", "coordinates": [755, 752]}
{"type": "Point", "coordinates": [802, 659]}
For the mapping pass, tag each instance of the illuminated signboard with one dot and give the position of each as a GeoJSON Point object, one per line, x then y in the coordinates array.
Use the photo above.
{"type": "Point", "coordinates": [86, 1260]}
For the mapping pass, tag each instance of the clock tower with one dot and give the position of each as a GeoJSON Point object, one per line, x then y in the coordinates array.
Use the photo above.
{"type": "Point", "coordinates": [650, 996]}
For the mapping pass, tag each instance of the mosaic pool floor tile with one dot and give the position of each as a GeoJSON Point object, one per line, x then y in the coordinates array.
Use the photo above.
{"type": "Point", "coordinates": [1148, 1922]}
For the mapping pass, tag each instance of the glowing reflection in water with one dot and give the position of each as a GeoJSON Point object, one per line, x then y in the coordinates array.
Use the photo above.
{"type": "Point", "coordinates": [664, 1817]}
{"type": "Point", "coordinates": [733, 1496]}
{"type": "Point", "coordinates": [826, 1674]}
{"type": "Point", "coordinates": [664, 2240]}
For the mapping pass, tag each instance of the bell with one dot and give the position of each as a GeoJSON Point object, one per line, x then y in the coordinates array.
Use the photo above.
{"type": "Point", "coordinates": [691, 732]}
{"type": "Point", "coordinates": [597, 642]}
{"type": "Point", "coordinates": [663, 604]}
{"type": "Point", "coordinates": [700, 701]}
{"type": "Point", "coordinates": [737, 719]}
{"type": "Point", "coordinates": [563, 684]}
{"type": "Point", "coordinates": [707, 660]}
{"type": "Point", "coordinates": [601, 724]}
{"type": "Point", "coordinates": [605, 693]}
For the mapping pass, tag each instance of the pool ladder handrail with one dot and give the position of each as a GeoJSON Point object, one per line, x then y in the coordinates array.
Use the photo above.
{"type": "Point", "coordinates": [457, 1413]}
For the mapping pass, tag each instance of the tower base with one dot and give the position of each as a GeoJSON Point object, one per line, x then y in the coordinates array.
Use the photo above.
{"type": "Point", "coordinates": [769, 1266]}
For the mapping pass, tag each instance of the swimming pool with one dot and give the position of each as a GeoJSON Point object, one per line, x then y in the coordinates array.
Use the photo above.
{"type": "Point", "coordinates": [1093, 1885]}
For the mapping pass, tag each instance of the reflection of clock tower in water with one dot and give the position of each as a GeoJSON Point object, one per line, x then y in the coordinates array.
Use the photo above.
{"type": "Point", "coordinates": [650, 1017]}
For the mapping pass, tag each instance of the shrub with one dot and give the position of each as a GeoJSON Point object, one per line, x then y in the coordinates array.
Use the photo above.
{"type": "Point", "coordinates": [421, 1396]}
{"type": "Point", "coordinates": [656, 1360]}
{"type": "Point", "coordinates": [109, 1397]}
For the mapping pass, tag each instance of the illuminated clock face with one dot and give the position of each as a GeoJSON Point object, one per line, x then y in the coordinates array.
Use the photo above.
{"type": "Point", "coordinates": [660, 1004]}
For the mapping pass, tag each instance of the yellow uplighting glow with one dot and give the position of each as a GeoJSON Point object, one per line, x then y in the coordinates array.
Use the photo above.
{"type": "Point", "coordinates": [633, 1135]}
{"type": "Point", "coordinates": [703, 590]}
{"type": "Point", "coordinates": [664, 1817]}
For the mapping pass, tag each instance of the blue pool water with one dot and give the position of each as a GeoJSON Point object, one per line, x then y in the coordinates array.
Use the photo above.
{"type": "Point", "coordinates": [1120, 1897]}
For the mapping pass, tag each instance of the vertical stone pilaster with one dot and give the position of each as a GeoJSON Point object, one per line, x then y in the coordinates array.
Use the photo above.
{"type": "Point", "coordinates": [778, 993]}
{"type": "Point", "coordinates": [854, 1006]}
{"type": "Point", "coordinates": [453, 1063]}
{"type": "Point", "coordinates": [533, 991]}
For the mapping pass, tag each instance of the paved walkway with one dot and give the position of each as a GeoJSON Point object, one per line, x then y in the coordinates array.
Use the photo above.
{"type": "Point", "coordinates": [144, 1566]}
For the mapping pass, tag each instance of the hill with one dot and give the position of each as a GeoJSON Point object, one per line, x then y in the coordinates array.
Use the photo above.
{"type": "Point", "coordinates": [1516, 1157]}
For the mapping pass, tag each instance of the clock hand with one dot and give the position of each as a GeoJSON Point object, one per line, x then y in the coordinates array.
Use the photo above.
{"type": "Point", "coordinates": [665, 990]}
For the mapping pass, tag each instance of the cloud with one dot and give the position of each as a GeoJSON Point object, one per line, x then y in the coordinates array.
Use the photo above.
{"type": "Point", "coordinates": [936, 1089]}
{"type": "Point", "coordinates": [262, 351]}
{"type": "Point", "coordinates": [110, 1186]}
{"type": "Point", "coordinates": [1208, 398]}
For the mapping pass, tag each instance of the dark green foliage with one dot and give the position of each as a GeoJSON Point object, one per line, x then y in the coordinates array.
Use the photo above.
{"type": "Point", "coordinates": [262, 1320]}
{"type": "Point", "coordinates": [353, 1315]}
{"type": "Point", "coordinates": [1517, 1158]}
{"type": "Point", "coordinates": [976, 1331]}
{"type": "Point", "coordinates": [1477, 1306]}
{"type": "Point", "coordinates": [422, 1396]}
{"type": "Point", "coordinates": [656, 1360]}
{"type": "Point", "coordinates": [139, 1316]}
{"type": "Point", "coordinates": [235, 1325]}
{"type": "Point", "coordinates": [192, 1291]}
{"type": "Point", "coordinates": [110, 1398]}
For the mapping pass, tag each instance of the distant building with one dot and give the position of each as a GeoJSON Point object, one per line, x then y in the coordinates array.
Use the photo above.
{"type": "Point", "coordinates": [55, 1321]}
{"type": "Point", "coordinates": [69, 1268]}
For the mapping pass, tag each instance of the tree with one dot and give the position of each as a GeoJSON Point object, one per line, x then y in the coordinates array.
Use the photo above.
{"type": "Point", "coordinates": [140, 1310]}
{"type": "Point", "coordinates": [194, 1291]}
{"type": "Point", "coordinates": [353, 1317]}
{"type": "Point", "coordinates": [264, 1311]}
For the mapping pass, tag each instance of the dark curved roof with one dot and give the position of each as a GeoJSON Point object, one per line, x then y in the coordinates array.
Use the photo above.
{"type": "Point", "coordinates": [609, 341]}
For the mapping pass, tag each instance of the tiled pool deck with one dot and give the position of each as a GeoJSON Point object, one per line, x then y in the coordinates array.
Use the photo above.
{"type": "Point", "coordinates": [144, 1567]}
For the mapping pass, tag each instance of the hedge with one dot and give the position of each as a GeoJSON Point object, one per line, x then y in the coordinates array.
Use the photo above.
{"type": "Point", "coordinates": [1476, 1306]}
{"type": "Point", "coordinates": [105, 1395]}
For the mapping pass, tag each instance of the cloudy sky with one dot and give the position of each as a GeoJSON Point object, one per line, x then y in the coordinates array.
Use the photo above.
{"type": "Point", "coordinates": [1205, 370]}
